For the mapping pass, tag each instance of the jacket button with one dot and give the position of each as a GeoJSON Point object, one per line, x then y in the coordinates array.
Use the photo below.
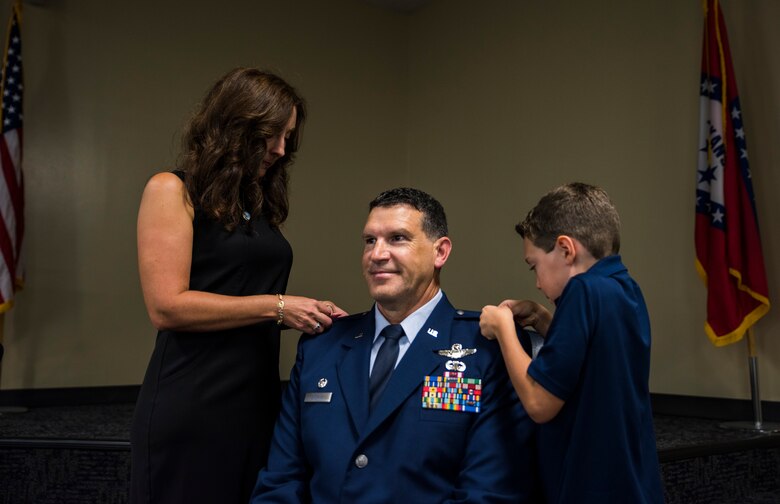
{"type": "Point", "coordinates": [361, 461]}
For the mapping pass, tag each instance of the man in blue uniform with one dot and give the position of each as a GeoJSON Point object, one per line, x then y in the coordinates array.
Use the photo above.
{"type": "Point", "coordinates": [406, 402]}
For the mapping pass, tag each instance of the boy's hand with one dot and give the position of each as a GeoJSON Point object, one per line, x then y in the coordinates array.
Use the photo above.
{"type": "Point", "coordinates": [529, 313]}
{"type": "Point", "coordinates": [494, 320]}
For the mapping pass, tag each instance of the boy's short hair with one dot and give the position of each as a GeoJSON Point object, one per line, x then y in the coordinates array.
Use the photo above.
{"type": "Point", "coordinates": [578, 210]}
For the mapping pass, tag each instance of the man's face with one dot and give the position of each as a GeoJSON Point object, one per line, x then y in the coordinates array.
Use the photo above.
{"type": "Point", "coordinates": [399, 259]}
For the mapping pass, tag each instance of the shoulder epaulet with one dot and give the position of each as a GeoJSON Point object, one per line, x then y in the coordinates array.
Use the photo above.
{"type": "Point", "coordinates": [342, 324]}
{"type": "Point", "coordinates": [466, 315]}
{"type": "Point", "coordinates": [352, 316]}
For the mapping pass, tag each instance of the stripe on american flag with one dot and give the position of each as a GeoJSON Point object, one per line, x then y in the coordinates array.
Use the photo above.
{"type": "Point", "coordinates": [12, 181]}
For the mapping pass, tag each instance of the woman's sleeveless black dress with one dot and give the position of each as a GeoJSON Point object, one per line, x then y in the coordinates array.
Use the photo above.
{"type": "Point", "coordinates": [209, 400]}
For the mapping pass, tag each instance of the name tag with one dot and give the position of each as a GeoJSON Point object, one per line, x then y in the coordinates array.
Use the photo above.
{"type": "Point", "coordinates": [323, 397]}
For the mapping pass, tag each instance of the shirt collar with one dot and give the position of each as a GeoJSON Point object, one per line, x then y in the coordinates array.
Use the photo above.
{"type": "Point", "coordinates": [411, 324]}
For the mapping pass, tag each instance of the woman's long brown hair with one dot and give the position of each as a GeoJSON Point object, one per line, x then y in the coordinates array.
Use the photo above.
{"type": "Point", "coordinates": [224, 145]}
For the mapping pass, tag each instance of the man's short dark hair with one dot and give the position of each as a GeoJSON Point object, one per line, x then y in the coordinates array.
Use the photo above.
{"type": "Point", "coordinates": [434, 220]}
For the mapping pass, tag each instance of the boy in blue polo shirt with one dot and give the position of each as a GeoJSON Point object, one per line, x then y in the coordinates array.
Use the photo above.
{"type": "Point", "coordinates": [588, 385]}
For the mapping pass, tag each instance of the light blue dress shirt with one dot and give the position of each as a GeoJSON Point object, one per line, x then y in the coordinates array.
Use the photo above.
{"type": "Point", "coordinates": [411, 324]}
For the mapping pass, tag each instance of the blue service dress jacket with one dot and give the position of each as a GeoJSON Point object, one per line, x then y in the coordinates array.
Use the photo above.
{"type": "Point", "coordinates": [328, 447]}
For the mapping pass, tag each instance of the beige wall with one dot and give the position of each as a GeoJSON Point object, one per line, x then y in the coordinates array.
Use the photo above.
{"type": "Point", "coordinates": [485, 108]}
{"type": "Point", "coordinates": [515, 98]}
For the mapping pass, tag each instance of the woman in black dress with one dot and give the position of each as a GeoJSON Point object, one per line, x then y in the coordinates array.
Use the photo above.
{"type": "Point", "coordinates": [214, 268]}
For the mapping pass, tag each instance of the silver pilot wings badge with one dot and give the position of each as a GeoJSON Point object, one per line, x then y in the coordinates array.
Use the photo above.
{"type": "Point", "coordinates": [456, 352]}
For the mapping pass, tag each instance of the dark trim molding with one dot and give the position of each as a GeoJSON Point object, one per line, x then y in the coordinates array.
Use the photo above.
{"type": "Point", "coordinates": [663, 404]}
{"type": "Point", "coordinates": [69, 396]}
{"type": "Point", "coordinates": [715, 408]}
{"type": "Point", "coordinates": [67, 444]}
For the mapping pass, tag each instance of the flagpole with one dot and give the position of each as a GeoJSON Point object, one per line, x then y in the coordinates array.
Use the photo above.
{"type": "Point", "coordinates": [755, 394]}
{"type": "Point", "coordinates": [757, 425]}
{"type": "Point", "coordinates": [6, 409]}
{"type": "Point", "coordinates": [2, 348]}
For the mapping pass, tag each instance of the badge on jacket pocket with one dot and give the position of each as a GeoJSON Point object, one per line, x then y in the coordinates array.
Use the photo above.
{"type": "Point", "coordinates": [452, 392]}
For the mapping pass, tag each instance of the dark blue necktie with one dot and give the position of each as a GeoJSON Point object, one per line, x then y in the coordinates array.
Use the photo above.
{"type": "Point", "coordinates": [384, 362]}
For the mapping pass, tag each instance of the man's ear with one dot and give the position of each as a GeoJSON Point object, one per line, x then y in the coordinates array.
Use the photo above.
{"type": "Point", "coordinates": [567, 247]}
{"type": "Point", "coordinates": [442, 248]}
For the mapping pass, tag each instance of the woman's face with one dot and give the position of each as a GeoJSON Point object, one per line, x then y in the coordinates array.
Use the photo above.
{"type": "Point", "coordinates": [275, 145]}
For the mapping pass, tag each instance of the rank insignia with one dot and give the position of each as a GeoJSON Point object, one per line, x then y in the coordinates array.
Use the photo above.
{"type": "Point", "coordinates": [452, 392]}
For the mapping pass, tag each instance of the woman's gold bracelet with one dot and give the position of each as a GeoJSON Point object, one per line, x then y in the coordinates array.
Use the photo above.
{"type": "Point", "coordinates": [280, 311]}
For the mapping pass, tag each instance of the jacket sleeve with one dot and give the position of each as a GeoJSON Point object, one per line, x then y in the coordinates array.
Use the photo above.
{"type": "Point", "coordinates": [499, 462]}
{"type": "Point", "coordinates": [286, 477]}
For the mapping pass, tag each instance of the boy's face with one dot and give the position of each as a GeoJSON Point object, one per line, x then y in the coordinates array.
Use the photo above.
{"type": "Point", "coordinates": [551, 268]}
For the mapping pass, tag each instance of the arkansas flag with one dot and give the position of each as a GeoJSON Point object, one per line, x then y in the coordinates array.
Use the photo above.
{"type": "Point", "coordinates": [728, 245]}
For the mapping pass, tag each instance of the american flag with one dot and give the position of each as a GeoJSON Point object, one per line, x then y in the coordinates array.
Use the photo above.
{"type": "Point", "coordinates": [12, 183]}
{"type": "Point", "coordinates": [728, 245]}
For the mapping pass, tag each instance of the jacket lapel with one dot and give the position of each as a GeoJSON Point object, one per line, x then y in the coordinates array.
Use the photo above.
{"type": "Point", "coordinates": [418, 361]}
{"type": "Point", "coordinates": [353, 371]}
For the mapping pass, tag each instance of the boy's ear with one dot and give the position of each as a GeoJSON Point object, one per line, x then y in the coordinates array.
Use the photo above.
{"type": "Point", "coordinates": [566, 245]}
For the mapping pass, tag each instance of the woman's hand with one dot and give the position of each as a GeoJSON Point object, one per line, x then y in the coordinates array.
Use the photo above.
{"type": "Point", "coordinates": [310, 315]}
{"type": "Point", "coordinates": [494, 320]}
